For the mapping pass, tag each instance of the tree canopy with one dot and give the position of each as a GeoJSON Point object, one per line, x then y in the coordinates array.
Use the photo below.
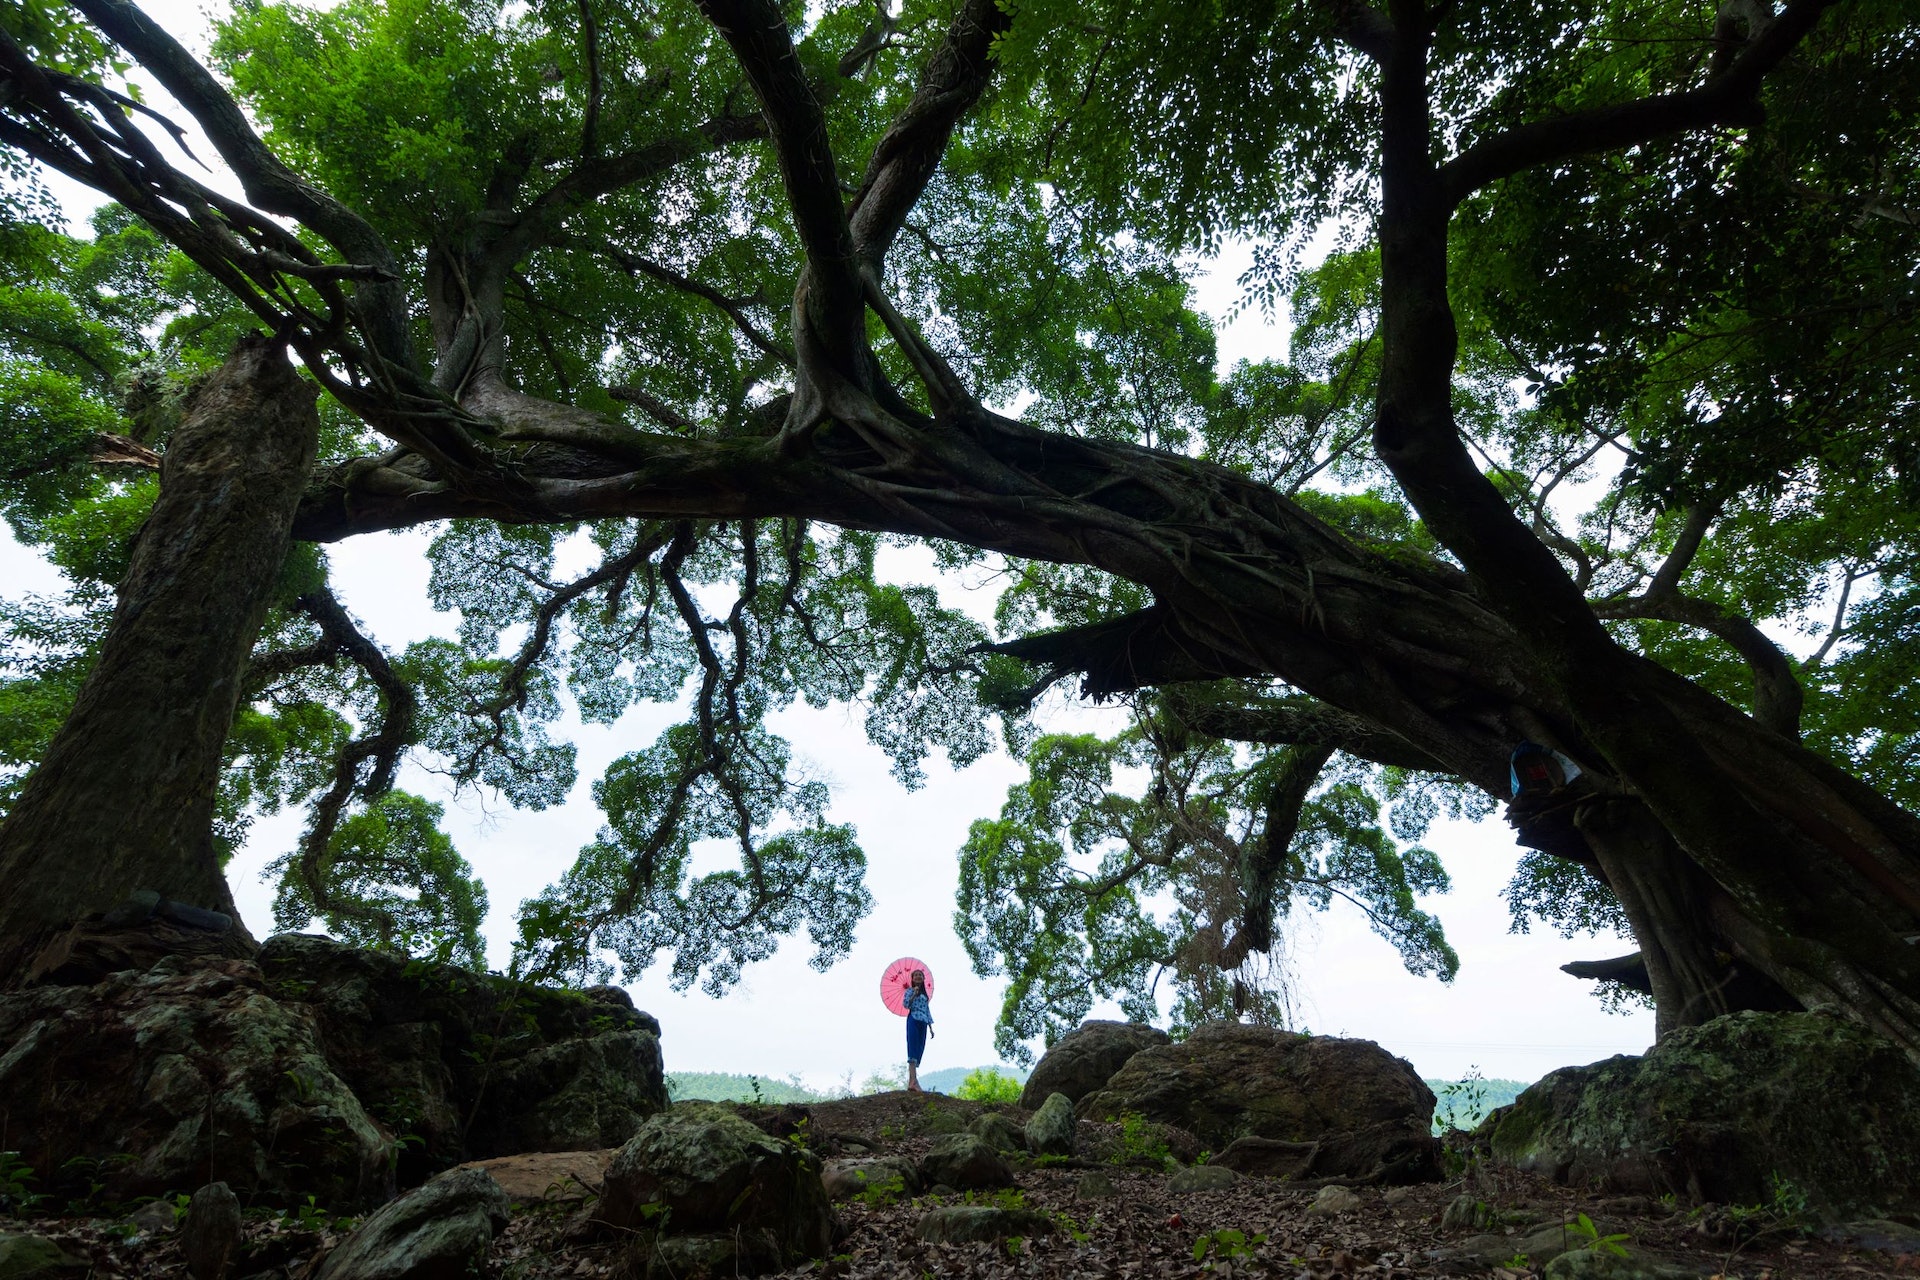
{"type": "Point", "coordinates": [1596, 427]}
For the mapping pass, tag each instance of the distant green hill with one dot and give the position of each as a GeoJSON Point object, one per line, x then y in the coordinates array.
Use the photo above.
{"type": "Point", "coordinates": [1465, 1103]}
{"type": "Point", "coordinates": [720, 1086]}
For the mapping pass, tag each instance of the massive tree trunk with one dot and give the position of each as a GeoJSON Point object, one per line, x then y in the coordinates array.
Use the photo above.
{"type": "Point", "coordinates": [1814, 879]}
{"type": "Point", "coordinates": [123, 800]}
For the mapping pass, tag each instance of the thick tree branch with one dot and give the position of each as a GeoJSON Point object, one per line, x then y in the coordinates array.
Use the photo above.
{"type": "Point", "coordinates": [1777, 693]}
{"type": "Point", "coordinates": [1728, 97]}
{"type": "Point", "coordinates": [1686, 545]}
{"type": "Point", "coordinates": [379, 305]}
{"type": "Point", "coordinates": [758, 34]}
{"type": "Point", "coordinates": [1629, 971]}
{"type": "Point", "coordinates": [111, 449]}
{"type": "Point", "coordinates": [1298, 721]}
{"type": "Point", "coordinates": [656, 408]}
{"type": "Point", "coordinates": [590, 50]}
{"type": "Point", "coordinates": [1361, 25]}
{"type": "Point", "coordinates": [909, 152]}
{"type": "Point", "coordinates": [596, 176]}
{"type": "Point", "coordinates": [1264, 857]}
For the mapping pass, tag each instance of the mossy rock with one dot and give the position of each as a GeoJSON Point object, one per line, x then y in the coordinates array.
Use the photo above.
{"type": "Point", "coordinates": [1366, 1112]}
{"type": "Point", "coordinates": [1053, 1130]}
{"type": "Point", "coordinates": [1749, 1109]}
{"type": "Point", "coordinates": [141, 1082]}
{"type": "Point", "coordinates": [31, 1257]}
{"type": "Point", "coordinates": [964, 1162]}
{"type": "Point", "coordinates": [1000, 1133]}
{"type": "Point", "coordinates": [472, 1065]}
{"type": "Point", "coordinates": [937, 1121]}
{"type": "Point", "coordinates": [700, 1169]}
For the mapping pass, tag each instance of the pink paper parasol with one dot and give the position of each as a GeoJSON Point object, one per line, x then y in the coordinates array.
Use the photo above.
{"type": "Point", "coordinates": [898, 977]}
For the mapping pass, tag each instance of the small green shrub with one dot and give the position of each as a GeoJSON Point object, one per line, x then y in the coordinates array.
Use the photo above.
{"type": "Point", "coordinates": [882, 1192]}
{"type": "Point", "coordinates": [16, 1175]}
{"type": "Point", "coordinates": [987, 1084]}
{"type": "Point", "coordinates": [1139, 1143]}
{"type": "Point", "coordinates": [1583, 1230]}
{"type": "Point", "coordinates": [1227, 1245]}
{"type": "Point", "coordinates": [1008, 1198]}
{"type": "Point", "coordinates": [1786, 1212]}
{"type": "Point", "coordinates": [1462, 1103]}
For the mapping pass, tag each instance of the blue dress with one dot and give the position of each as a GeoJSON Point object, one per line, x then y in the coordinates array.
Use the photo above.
{"type": "Point", "coordinates": [919, 1018]}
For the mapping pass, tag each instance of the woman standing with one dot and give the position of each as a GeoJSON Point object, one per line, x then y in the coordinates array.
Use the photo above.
{"type": "Point", "coordinates": [919, 1027]}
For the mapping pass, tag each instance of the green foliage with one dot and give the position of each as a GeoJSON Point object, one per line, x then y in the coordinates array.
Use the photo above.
{"type": "Point", "coordinates": [1140, 1143]}
{"type": "Point", "coordinates": [393, 881]}
{"type": "Point", "coordinates": [985, 1084]}
{"type": "Point", "coordinates": [1583, 1230]}
{"type": "Point", "coordinates": [1464, 1103]}
{"type": "Point", "coordinates": [949, 1079]}
{"type": "Point", "coordinates": [1786, 1211]}
{"type": "Point", "coordinates": [882, 1193]}
{"type": "Point", "coordinates": [54, 34]}
{"type": "Point", "coordinates": [1228, 1245]}
{"type": "Point", "coordinates": [16, 1180]}
{"type": "Point", "coordinates": [1011, 1199]}
{"type": "Point", "coordinates": [1057, 893]}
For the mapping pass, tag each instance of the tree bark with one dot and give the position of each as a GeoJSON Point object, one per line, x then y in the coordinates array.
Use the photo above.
{"type": "Point", "coordinates": [123, 800]}
{"type": "Point", "coordinates": [1663, 894]}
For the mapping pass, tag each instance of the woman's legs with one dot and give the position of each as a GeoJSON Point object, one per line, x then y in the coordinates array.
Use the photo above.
{"type": "Point", "coordinates": [916, 1045]}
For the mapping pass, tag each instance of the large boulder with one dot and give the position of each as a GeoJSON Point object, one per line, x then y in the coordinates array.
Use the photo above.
{"type": "Point", "coordinates": [440, 1231]}
{"type": "Point", "coordinates": [1053, 1130]}
{"type": "Point", "coordinates": [30, 1257]}
{"type": "Point", "coordinates": [1201, 1177]}
{"type": "Point", "coordinates": [701, 1173]}
{"type": "Point", "coordinates": [1731, 1112]}
{"type": "Point", "coordinates": [151, 1081]}
{"type": "Point", "coordinates": [1000, 1133]}
{"type": "Point", "coordinates": [470, 1066]}
{"type": "Point", "coordinates": [1083, 1060]}
{"type": "Point", "coordinates": [965, 1163]}
{"type": "Point", "coordinates": [1365, 1112]}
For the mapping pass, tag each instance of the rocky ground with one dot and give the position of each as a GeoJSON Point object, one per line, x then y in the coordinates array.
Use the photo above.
{"type": "Point", "coordinates": [1108, 1212]}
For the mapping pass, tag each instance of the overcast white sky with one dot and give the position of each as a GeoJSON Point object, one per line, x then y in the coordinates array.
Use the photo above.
{"type": "Point", "coordinates": [1510, 1012]}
